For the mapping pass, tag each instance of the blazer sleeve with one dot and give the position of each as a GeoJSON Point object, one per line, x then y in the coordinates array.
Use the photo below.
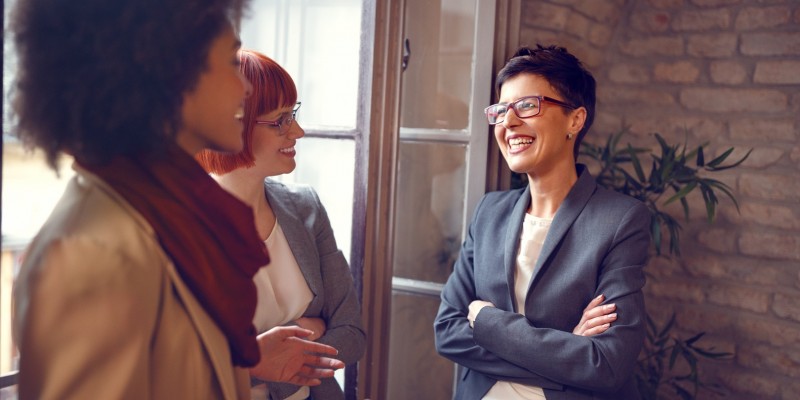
{"type": "Point", "coordinates": [600, 363]}
{"type": "Point", "coordinates": [453, 336]}
{"type": "Point", "coordinates": [341, 309]}
{"type": "Point", "coordinates": [85, 328]}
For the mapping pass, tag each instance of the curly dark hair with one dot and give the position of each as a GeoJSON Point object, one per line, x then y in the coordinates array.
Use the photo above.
{"type": "Point", "coordinates": [563, 71]}
{"type": "Point", "coordinates": [100, 78]}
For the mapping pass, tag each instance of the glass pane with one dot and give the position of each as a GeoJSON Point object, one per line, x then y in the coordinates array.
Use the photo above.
{"type": "Point", "coordinates": [430, 204]}
{"type": "Point", "coordinates": [317, 41]}
{"type": "Point", "coordinates": [437, 82]}
{"type": "Point", "coordinates": [416, 371]}
{"type": "Point", "coordinates": [328, 165]}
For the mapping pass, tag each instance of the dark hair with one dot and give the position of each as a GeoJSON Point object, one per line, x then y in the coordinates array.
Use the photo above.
{"type": "Point", "coordinates": [273, 88]}
{"type": "Point", "coordinates": [563, 71]}
{"type": "Point", "coordinates": [100, 78]}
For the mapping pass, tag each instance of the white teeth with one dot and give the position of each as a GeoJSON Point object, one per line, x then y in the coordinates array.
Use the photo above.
{"type": "Point", "coordinates": [520, 141]}
{"type": "Point", "coordinates": [287, 150]}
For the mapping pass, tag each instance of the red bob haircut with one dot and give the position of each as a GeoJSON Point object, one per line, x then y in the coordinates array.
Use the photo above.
{"type": "Point", "coordinates": [273, 88]}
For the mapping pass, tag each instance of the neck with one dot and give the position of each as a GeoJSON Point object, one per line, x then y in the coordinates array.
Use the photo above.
{"type": "Point", "coordinates": [549, 190]}
{"type": "Point", "coordinates": [249, 188]}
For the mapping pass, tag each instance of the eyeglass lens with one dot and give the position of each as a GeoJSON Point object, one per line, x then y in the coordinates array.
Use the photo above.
{"type": "Point", "coordinates": [525, 107]}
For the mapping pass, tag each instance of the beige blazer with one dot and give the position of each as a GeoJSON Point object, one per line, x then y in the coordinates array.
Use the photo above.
{"type": "Point", "coordinates": [101, 312]}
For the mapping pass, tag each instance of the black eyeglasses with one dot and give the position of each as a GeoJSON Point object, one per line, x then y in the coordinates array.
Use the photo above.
{"type": "Point", "coordinates": [284, 123]}
{"type": "Point", "coordinates": [525, 107]}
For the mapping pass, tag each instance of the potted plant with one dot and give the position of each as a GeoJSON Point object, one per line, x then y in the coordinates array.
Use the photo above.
{"type": "Point", "coordinates": [668, 362]}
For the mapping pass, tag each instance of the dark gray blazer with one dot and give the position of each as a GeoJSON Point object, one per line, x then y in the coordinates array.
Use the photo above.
{"type": "Point", "coordinates": [597, 244]}
{"type": "Point", "coordinates": [308, 231]}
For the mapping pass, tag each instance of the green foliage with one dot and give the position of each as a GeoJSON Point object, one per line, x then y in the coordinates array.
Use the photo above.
{"type": "Point", "coordinates": [664, 354]}
{"type": "Point", "coordinates": [667, 360]}
{"type": "Point", "coordinates": [674, 173]}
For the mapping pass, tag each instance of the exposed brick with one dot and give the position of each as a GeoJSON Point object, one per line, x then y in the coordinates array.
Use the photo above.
{"type": "Point", "coordinates": [679, 72]}
{"type": "Point", "coordinates": [629, 73]}
{"type": "Point", "coordinates": [645, 97]}
{"type": "Point", "coordinates": [780, 247]}
{"type": "Point", "coordinates": [728, 72]}
{"type": "Point", "coordinates": [726, 267]}
{"type": "Point", "coordinates": [544, 15]}
{"type": "Point", "coordinates": [769, 186]}
{"type": "Point", "coordinates": [603, 11]}
{"type": "Point", "coordinates": [706, 319]}
{"type": "Point", "coordinates": [718, 240]}
{"type": "Point", "coordinates": [699, 129]}
{"type": "Point", "coordinates": [734, 100]}
{"type": "Point", "coordinates": [787, 306]}
{"type": "Point", "coordinates": [770, 44]}
{"type": "Point", "coordinates": [761, 129]}
{"type": "Point", "coordinates": [658, 45]}
{"type": "Point", "coordinates": [770, 215]}
{"type": "Point", "coordinates": [795, 156]}
{"type": "Point", "coordinates": [712, 45]}
{"type": "Point", "coordinates": [530, 37]}
{"type": "Point", "coordinates": [767, 330]}
{"type": "Point", "coordinates": [762, 17]}
{"type": "Point", "coordinates": [666, 4]}
{"type": "Point", "coordinates": [757, 385]}
{"type": "Point", "coordinates": [650, 21]}
{"type": "Point", "coordinates": [759, 158]}
{"type": "Point", "coordinates": [743, 297]}
{"type": "Point", "coordinates": [715, 3]}
{"type": "Point", "coordinates": [703, 20]}
{"type": "Point", "coordinates": [777, 72]}
{"type": "Point", "coordinates": [683, 291]}
{"type": "Point", "coordinates": [578, 25]}
{"type": "Point", "coordinates": [790, 389]}
{"type": "Point", "coordinates": [600, 34]}
{"type": "Point", "coordinates": [786, 360]}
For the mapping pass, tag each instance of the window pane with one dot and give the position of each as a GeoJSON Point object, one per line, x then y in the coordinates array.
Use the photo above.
{"type": "Point", "coordinates": [317, 41]}
{"type": "Point", "coordinates": [416, 371]}
{"type": "Point", "coordinates": [437, 82]}
{"type": "Point", "coordinates": [329, 166]}
{"type": "Point", "coordinates": [430, 203]}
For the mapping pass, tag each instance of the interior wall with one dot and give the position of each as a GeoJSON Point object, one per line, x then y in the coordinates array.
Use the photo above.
{"type": "Point", "coordinates": [726, 72]}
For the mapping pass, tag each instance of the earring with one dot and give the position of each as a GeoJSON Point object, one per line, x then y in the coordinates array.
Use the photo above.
{"type": "Point", "coordinates": [570, 135]}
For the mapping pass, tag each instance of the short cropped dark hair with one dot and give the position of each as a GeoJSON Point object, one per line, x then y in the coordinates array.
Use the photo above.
{"type": "Point", "coordinates": [100, 78]}
{"type": "Point", "coordinates": [574, 83]}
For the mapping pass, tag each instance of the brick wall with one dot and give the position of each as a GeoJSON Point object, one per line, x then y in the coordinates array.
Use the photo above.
{"type": "Point", "coordinates": [728, 73]}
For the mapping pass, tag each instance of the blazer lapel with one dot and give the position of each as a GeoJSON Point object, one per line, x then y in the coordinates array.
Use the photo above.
{"type": "Point", "coordinates": [513, 230]}
{"type": "Point", "coordinates": [567, 212]}
{"type": "Point", "coordinates": [302, 246]}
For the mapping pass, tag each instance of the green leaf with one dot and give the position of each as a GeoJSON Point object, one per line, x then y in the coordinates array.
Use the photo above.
{"type": "Point", "coordinates": [721, 158]}
{"type": "Point", "coordinates": [700, 158]}
{"type": "Point", "coordinates": [736, 164]}
{"type": "Point", "coordinates": [682, 193]}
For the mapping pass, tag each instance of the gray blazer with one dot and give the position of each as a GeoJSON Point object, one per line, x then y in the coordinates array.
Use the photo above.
{"type": "Point", "coordinates": [308, 231]}
{"type": "Point", "coordinates": [597, 244]}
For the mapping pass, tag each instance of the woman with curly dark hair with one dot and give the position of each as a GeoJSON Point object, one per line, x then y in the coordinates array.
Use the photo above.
{"type": "Point", "coordinates": [140, 283]}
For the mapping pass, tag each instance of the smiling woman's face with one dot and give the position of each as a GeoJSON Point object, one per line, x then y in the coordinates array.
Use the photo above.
{"type": "Point", "coordinates": [538, 144]}
{"type": "Point", "coordinates": [213, 110]}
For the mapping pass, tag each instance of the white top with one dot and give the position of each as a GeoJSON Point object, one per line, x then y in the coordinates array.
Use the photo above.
{"type": "Point", "coordinates": [534, 231]}
{"type": "Point", "coordinates": [283, 294]}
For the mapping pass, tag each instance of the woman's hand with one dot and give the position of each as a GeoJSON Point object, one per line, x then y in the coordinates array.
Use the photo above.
{"type": "Point", "coordinates": [474, 308]}
{"type": "Point", "coordinates": [596, 318]}
{"type": "Point", "coordinates": [316, 325]}
{"type": "Point", "coordinates": [287, 357]}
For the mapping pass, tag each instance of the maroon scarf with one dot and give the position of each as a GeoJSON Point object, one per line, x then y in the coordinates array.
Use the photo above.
{"type": "Point", "coordinates": [208, 233]}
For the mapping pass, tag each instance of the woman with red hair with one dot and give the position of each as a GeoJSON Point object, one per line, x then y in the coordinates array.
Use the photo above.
{"type": "Point", "coordinates": [307, 282]}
